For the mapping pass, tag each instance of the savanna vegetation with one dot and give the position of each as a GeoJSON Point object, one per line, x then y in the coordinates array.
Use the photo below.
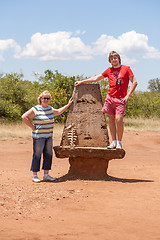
{"type": "Point", "coordinates": [18, 95]}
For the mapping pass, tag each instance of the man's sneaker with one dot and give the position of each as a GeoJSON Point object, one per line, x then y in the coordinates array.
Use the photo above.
{"type": "Point", "coordinates": [48, 179]}
{"type": "Point", "coordinates": [36, 179]}
{"type": "Point", "coordinates": [119, 145]}
{"type": "Point", "coordinates": [112, 145]}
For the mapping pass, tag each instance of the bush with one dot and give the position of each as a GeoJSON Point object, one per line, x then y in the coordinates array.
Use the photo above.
{"type": "Point", "coordinates": [13, 93]}
{"type": "Point", "coordinates": [18, 95]}
{"type": "Point", "coordinates": [145, 105]}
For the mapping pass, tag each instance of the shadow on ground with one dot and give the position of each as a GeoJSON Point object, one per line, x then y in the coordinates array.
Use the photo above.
{"type": "Point", "coordinates": [68, 177]}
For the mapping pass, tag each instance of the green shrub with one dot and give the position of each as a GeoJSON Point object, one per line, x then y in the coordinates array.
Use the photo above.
{"type": "Point", "coordinates": [18, 95]}
{"type": "Point", "coordinates": [144, 104]}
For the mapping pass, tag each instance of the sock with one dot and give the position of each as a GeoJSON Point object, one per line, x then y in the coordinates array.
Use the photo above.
{"type": "Point", "coordinates": [115, 141]}
{"type": "Point", "coordinates": [45, 175]}
{"type": "Point", "coordinates": [35, 176]}
{"type": "Point", "coordinates": [119, 143]}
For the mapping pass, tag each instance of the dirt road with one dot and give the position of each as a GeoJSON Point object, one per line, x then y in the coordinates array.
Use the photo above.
{"type": "Point", "coordinates": [127, 207]}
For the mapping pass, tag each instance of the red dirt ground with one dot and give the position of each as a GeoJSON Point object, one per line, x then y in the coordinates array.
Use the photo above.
{"type": "Point", "coordinates": [127, 207]}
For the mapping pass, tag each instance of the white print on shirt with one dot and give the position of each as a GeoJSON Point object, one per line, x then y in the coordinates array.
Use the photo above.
{"type": "Point", "coordinates": [117, 74]}
{"type": "Point", "coordinates": [105, 108]}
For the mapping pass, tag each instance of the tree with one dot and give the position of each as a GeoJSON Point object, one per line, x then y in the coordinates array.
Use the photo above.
{"type": "Point", "coordinates": [104, 85]}
{"type": "Point", "coordinates": [154, 85]}
{"type": "Point", "coordinates": [16, 96]}
{"type": "Point", "coordinates": [61, 88]}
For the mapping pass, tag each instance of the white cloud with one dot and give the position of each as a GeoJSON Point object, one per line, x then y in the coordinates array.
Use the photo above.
{"type": "Point", "coordinates": [130, 43]}
{"type": "Point", "coordinates": [79, 32]}
{"type": "Point", "coordinates": [152, 53]}
{"type": "Point", "coordinates": [69, 46]}
{"type": "Point", "coordinates": [8, 44]}
{"type": "Point", "coordinates": [56, 46]}
{"type": "Point", "coordinates": [126, 60]}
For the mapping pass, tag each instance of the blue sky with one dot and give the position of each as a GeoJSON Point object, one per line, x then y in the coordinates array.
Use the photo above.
{"type": "Point", "coordinates": [75, 37]}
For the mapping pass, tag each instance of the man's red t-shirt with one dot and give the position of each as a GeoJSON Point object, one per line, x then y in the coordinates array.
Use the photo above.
{"type": "Point", "coordinates": [118, 80]}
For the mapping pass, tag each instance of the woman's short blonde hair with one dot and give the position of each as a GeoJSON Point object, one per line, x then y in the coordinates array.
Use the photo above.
{"type": "Point", "coordinates": [113, 53]}
{"type": "Point", "coordinates": [44, 93]}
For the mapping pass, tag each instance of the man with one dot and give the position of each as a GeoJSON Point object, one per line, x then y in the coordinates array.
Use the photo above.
{"type": "Point", "coordinates": [117, 96]}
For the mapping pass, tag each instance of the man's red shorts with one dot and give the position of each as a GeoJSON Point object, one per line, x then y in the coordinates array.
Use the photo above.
{"type": "Point", "coordinates": [114, 106]}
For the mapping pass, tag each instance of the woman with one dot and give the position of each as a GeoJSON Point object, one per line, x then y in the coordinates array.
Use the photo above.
{"type": "Point", "coordinates": [42, 116]}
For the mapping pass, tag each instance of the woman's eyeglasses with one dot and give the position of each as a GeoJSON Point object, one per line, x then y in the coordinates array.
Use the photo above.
{"type": "Point", "coordinates": [46, 98]}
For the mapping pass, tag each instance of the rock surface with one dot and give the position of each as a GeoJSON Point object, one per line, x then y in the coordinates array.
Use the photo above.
{"type": "Point", "coordinates": [85, 135]}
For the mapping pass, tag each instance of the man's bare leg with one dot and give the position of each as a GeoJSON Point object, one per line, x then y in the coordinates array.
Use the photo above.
{"type": "Point", "coordinates": [120, 127]}
{"type": "Point", "coordinates": [112, 126]}
{"type": "Point", "coordinates": [120, 130]}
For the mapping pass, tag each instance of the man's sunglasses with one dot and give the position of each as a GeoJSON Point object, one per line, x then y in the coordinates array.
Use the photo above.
{"type": "Point", "coordinates": [46, 98]}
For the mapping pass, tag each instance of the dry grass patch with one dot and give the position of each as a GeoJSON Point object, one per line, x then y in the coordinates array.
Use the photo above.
{"type": "Point", "coordinates": [21, 131]}
{"type": "Point", "coordinates": [14, 130]}
{"type": "Point", "coordinates": [142, 124]}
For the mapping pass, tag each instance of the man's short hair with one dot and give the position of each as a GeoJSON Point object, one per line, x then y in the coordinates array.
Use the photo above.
{"type": "Point", "coordinates": [112, 54]}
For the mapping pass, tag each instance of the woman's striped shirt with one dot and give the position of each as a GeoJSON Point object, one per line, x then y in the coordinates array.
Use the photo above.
{"type": "Point", "coordinates": [43, 121]}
